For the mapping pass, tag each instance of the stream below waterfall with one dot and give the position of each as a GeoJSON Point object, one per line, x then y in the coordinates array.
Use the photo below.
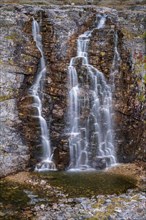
{"type": "Point", "coordinates": [87, 184]}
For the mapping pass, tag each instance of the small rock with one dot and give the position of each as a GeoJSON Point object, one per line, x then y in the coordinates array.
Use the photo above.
{"type": "Point", "coordinates": [2, 214]}
{"type": "Point", "coordinates": [139, 210]}
{"type": "Point", "coordinates": [55, 206]}
{"type": "Point", "coordinates": [43, 182]}
{"type": "Point", "coordinates": [42, 206]}
{"type": "Point", "coordinates": [70, 200]}
{"type": "Point", "coordinates": [118, 210]}
{"type": "Point", "coordinates": [109, 218]}
{"type": "Point", "coordinates": [107, 201]}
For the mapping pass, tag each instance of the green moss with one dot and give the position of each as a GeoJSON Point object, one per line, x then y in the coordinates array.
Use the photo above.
{"type": "Point", "coordinates": [13, 36]}
{"type": "Point", "coordinates": [26, 57]}
{"type": "Point", "coordinates": [11, 61]}
{"type": "Point", "coordinates": [30, 70]}
{"type": "Point", "coordinates": [87, 184]}
{"type": "Point", "coordinates": [110, 208]}
{"type": "Point", "coordinates": [13, 200]}
{"type": "Point", "coordinates": [16, 200]}
{"type": "Point", "coordinates": [6, 97]}
{"type": "Point", "coordinates": [144, 78]}
{"type": "Point", "coordinates": [141, 98]}
{"type": "Point", "coordinates": [14, 193]}
{"type": "Point", "coordinates": [1, 62]}
{"type": "Point", "coordinates": [102, 54]}
{"type": "Point", "coordinates": [128, 35]}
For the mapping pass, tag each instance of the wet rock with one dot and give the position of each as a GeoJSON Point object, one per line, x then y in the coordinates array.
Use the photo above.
{"type": "Point", "coordinates": [99, 163]}
{"type": "Point", "coordinates": [60, 28]}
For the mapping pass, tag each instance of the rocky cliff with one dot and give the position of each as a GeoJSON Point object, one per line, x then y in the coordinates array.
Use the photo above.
{"type": "Point", "coordinates": [60, 27]}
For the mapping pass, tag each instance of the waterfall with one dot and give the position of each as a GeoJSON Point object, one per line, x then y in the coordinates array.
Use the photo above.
{"type": "Point", "coordinates": [36, 92]}
{"type": "Point", "coordinates": [116, 61]}
{"type": "Point", "coordinates": [91, 140]}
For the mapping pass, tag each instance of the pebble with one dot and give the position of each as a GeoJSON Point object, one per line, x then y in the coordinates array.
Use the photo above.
{"type": "Point", "coordinates": [83, 208]}
{"type": "Point", "coordinates": [42, 206]}
{"type": "Point", "coordinates": [2, 214]}
{"type": "Point", "coordinates": [118, 210]}
{"type": "Point", "coordinates": [55, 206]}
{"type": "Point", "coordinates": [70, 200]}
{"type": "Point", "coordinates": [108, 201]}
{"type": "Point", "coordinates": [43, 182]}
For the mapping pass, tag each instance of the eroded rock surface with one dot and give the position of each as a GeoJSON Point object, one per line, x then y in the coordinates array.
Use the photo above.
{"type": "Point", "coordinates": [14, 152]}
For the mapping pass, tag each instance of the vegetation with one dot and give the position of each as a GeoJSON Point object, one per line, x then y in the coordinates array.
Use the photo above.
{"type": "Point", "coordinates": [4, 98]}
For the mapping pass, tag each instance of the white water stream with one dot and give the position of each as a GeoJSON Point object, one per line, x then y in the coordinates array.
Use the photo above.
{"type": "Point", "coordinates": [116, 62]}
{"type": "Point", "coordinates": [91, 139]}
{"type": "Point", "coordinates": [35, 92]}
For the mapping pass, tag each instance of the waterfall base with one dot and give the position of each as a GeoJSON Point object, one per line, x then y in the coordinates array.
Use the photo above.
{"type": "Point", "coordinates": [81, 169]}
{"type": "Point", "coordinates": [46, 165]}
{"type": "Point", "coordinates": [100, 166]}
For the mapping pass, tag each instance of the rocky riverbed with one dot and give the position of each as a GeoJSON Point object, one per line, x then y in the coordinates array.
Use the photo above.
{"type": "Point", "coordinates": [31, 196]}
{"type": "Point", "coordinates": [128, 206]}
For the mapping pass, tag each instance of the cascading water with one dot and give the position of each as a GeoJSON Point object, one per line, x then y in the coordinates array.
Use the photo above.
{"type": "Point", "coordinates": [35, 92]}
{"type": "Point", "coordinates": [90, 111]}
{"type": "Point", "coordinates": [116, 61]}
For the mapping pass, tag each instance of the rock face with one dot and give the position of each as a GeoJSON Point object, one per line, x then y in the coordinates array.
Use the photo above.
{"type": "Point", "coordinates": [14, 153]}
{"type": "Point", "coordinates": [130, 88]}
{"type": "Point", "coordinates": [60, 28]}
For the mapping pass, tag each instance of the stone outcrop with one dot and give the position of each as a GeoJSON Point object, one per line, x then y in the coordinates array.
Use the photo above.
{"type": "Point", "coordinates": [14, 152]}
{"type": "Point", "coordinates": [130, 87]}
{"type": "Point", "coordinates": [60, 28]}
